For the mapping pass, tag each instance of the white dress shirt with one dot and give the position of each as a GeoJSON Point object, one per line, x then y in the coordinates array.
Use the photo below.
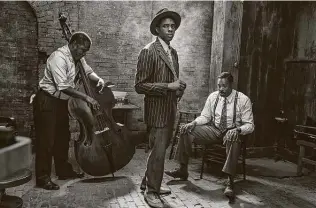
{"type": "Point", "coordinates": [166, 47]}
{"type": "Point", "coordinates": [244, 115]}
{"type": "Point", "coordinates": [60, 72]}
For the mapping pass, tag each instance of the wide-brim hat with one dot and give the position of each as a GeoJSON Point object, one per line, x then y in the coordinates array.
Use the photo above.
{"type": "Point", "coordinates": [164, 13]}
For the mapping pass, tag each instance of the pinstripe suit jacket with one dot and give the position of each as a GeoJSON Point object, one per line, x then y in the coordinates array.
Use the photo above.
{"type": "Point", "coordinates": [154, 72]}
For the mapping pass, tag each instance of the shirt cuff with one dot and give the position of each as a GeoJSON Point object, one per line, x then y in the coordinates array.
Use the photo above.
{"type": "Point", "coordinates": [201, 120]}
{"type": "Point", "coordinates": [246, 129]}
{"type": "Point", "coordinates": [63, 86]}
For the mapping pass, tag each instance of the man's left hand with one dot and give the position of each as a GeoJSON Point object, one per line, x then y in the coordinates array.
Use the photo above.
{"type": "Point", "coordinates": [183, 85]}
{"type": "Point", "coordinates": [231, 135]}
{"type": "Point", "coordinates": [179, 94]}
{"type": "Point", "coordinates": [180, 91]}
{"type": "Point", "coordinates": [102, 84]}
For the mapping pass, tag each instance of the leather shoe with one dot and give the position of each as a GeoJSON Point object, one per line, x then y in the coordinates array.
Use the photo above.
{"type": "Point", "coordinates": [143, 184]}
{"type": "Point", "coordinates": [163, 190]}
{"type": "Point", "coordinates": [153, 200]}
{"type": "Point", "coordinates": [178, 174]}
{"type": "Point", "coordinates": [70, 175]}
{"type": "Point", "coordinates": [229, 190]}
{"type": "Point", "coordinates": [48, 185]}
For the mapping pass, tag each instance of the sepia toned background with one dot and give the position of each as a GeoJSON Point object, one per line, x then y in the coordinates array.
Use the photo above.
{"type": "Point", "coordinates": [266, 45]}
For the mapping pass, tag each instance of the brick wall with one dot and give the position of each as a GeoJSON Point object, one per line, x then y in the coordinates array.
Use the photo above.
{"type": "Point", "coordinates": [117, 40]}
{"type": "Point", "coordinates": [119, 30]}
{"type": "Point", "coordinates": [18, 61]}
{"type": "Point", "coordinates": [49, 31]}
{"type": "Point", "coordinates": [193, 42]}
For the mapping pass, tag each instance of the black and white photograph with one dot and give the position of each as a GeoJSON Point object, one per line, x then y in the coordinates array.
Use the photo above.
{"type": "Point", "coordinates": [157, 103]}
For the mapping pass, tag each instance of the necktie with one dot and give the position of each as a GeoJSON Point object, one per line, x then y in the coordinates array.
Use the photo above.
{"type": "Point", "coordinates": [169, 54]}
{"type": "Point", "coordinates": [223, 121]}
{"type": "Point", "coordinates": [171, 62]}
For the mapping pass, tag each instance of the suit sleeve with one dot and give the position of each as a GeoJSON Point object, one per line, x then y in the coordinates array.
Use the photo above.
{"type": "Point", "coordinates": [145, 69]}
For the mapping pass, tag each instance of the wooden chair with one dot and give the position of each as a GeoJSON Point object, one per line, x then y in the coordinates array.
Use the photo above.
{"type": "Point", "coordinates": [209, 151]}
{"type": "Point", "coordinates": [306, 140]}
{"type": "Point", "coordinates": [211, 154]}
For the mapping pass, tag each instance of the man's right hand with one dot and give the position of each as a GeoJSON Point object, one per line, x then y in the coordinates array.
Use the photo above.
{"type": "Point", "coordinates": [177, 85]}
{"type": "Point", "coordinates": [93, 102]}
{"type": "Point", "coordinates": [187, 128]}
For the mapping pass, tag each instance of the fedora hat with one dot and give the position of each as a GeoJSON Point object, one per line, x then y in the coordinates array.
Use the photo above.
{"type": "Point", "coordinates": [164, 13]}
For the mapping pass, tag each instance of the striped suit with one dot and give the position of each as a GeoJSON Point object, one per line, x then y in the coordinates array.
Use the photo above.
{"type": "Point", "coordinates": [154, 72]}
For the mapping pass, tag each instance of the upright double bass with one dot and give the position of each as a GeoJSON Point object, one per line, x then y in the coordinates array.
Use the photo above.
{"type": "Point", "coordinates": [103, 146]}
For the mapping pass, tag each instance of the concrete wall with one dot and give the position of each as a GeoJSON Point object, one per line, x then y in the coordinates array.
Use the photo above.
{"type": "Point", "coordinates": [193, 42]}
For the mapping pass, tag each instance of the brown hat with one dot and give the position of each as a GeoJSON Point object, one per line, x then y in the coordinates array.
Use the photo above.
{"type": "Point", "coordinates": [164, 13]}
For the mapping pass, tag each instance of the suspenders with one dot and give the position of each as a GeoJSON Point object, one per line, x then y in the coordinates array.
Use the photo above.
{"type": "Point", "coordinates": [235, 108]}
{"type": "Point", "coordinates": [235, 104]}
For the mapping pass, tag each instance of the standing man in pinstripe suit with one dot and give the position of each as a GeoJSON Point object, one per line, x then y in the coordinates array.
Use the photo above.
{"type": "Point", "coordinates": [157, 78]}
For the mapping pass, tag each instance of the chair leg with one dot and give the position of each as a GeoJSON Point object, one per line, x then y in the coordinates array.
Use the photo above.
{"type": "Point", "coordinates": [147, 141]}
{"type": "Point", "coordinates": [244, 161]}
{"type": "Point", "coordinates": [244, 168]}
{"type": "Point", "coordinates": [171, 150]}
{"type": "Point", "coordinates": [146, 148]}
{"type": "Point", "coordinates": [2, 193]}
{"type": "Point", "coordinates": [174, 141]}
{"type": "Point", "coordinates": [203, 161]}
{"type": "Point", "coordinates": [300, 162]}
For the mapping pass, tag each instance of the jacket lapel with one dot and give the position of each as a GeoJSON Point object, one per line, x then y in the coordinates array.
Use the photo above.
{"type": "Point", "coordinates": [162, 53]}
{"type": "Point", "coordinates": [175, 61]}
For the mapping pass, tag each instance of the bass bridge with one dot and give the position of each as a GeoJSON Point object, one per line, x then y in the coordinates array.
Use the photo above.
{"type": "Point", "coordinates": [101, 131]}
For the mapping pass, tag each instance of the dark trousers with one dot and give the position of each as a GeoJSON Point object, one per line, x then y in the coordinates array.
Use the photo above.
{"type": "Point", "coordinates": [207, 135]}
{"type": "Point", "coordinates": [52, 135]}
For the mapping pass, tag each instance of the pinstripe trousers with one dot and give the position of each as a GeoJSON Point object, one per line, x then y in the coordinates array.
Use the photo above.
{"type": "Point", "coordinates": [159, 140]}
{"type": "Point", "coordinates": [207, 135]}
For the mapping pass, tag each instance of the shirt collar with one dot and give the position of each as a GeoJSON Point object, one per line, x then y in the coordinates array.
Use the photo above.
{"type": "Point", "coordinates": [165, 46]}
{"type": "Point", "coordinates": [66, 51]}
{"type": "Point", "coordinates": [230, 97]}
